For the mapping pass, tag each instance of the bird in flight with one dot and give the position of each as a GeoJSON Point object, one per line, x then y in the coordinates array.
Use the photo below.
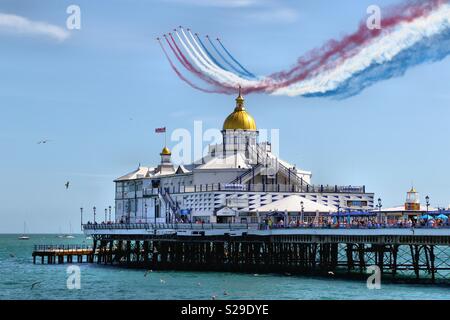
{"type": "Point", "coordinates": [43, 141]}
{"type": "Point", "coordinates": [67, 185]}
{"type": "Point", "coordinates": [35, 284]}
{"type": "Point", "coordinates": [147, 272]}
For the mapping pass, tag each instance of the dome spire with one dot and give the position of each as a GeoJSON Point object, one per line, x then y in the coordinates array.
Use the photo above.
{"type": "Point", "coordinates": [239, 101]}
{"type": "Point", "coordinates": [165, 151]}
{"type": "Point", "coordinates": [239, 119]}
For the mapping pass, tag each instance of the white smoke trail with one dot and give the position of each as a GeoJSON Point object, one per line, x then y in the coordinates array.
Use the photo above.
{"type": "Point", "coordinates": [231, 78]}
{"type": "Point", "coordinates": [380, 51]}
{"type": "Point", "coordinates": [204, 55]}
{"type": "Point", "coordinates": [207, 71]}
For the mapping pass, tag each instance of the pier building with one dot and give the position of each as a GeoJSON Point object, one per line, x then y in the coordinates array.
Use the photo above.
{"type": "Point", "coordinates": [234, 182]}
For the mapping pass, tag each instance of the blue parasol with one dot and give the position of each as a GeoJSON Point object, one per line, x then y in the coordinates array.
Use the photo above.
{"type": "Point", "coordinates": [426, 217]}
{"type": "Point", "coordinates": [442, 217]}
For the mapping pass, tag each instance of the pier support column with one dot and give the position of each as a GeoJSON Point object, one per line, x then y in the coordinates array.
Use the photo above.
{"type": "Point", "coordinates": [128, 251]}
{"type": "Point", "coordinates": [349, 254]}
{"type": "Point", "coordinates": [394, 249]}
{"type": "Point", "coordinates": [146, 253]}
{"type": "Point", "coordinates": [361, 254]}
{"type": "Point", "coordinates": [137, 250]}
{"type": "Point", "coordinates": [432, 264]}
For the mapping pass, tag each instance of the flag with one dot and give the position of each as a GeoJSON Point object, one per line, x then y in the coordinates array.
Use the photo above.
{"type": "Point", "coordinates": [160, 130]}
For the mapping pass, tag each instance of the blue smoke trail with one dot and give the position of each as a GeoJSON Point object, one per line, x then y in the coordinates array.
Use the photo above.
{"type": "Point", "coordinates": [237, 62]}
{"type": "Point", "coordinates": [225, 60]}
{"type": "Point", "coordinates": [209, 53]}
{"type": "Point", "coordinates": [428, 50]}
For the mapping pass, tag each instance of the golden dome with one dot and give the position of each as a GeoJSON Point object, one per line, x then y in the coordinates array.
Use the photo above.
{"type": "Point", "coordinates": [240, 119]}
{"type": "Point", "coordinates": [165, 152]}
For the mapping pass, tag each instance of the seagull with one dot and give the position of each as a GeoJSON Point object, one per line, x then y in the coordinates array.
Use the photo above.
{"type": "Point", "coordinates": [35, 284]}
{"type": "Point", "coordinates": [331, 273]}
{"type": "Point", "coordinates": [225, 293]}
{"type": "Point", "coordinates": [147, 272]}
{"type": "Point", "coordinates": [162, 281]}
{"type": "Point", "coordinates": [43, 141]}
{"type": "Point", "coordinates": [67, 185]}
{"type": "Point", "coordinates": [213, 297]}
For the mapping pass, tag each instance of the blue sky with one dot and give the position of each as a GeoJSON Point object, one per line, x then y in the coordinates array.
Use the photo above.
{"type": "Point", "coordinates": [99, 94]}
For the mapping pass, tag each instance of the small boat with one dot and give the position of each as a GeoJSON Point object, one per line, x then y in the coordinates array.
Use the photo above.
{"type": "Point", "coordinates": [24, 236]}
{"type": "Point", "coordinates": [69, 236]}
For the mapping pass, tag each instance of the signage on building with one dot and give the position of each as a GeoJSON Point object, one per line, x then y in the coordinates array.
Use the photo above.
{"type": "Point", "coordinates": [234, 186]}
{"type": "Point", "coordinates": [412, 206]}
{"type": "Point", "coordinates": [185, 212]}
{"type": "Point", "coordinates": [226, 211]}
{"type": "Point", "coordinates": [237, 202]}
{"type": "Point", "coordinates": [349, 189]}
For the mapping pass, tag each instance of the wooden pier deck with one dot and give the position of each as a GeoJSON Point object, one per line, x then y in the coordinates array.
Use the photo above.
{"type": "Point", "coordinates": [52, 254]}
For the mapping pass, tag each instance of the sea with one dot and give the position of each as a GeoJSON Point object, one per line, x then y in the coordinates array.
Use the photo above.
{"type": "Point", "coordinates": [21, 279]}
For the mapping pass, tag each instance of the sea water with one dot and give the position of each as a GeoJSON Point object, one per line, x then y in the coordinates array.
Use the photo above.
{"type": "Point", "coordinates": [18, 274]}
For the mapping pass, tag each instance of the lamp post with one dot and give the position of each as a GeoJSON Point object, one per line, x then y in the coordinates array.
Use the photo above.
{"type": "Point", "coordinates": [379, 209]}
{"type": "Point", "coordinates": [303, 211]}
{"type": "Point", "coordinates": [94, 208]}
{"type": "Point", "coordinates": [145, 206]}
{"type": "Point", "coordinates": [154, 213]}
{"type": "Point", "coordinates": [427, 199]}
{"type": "Point", "coordinates": [338, 213]}
{"type": "Point", "coordinates": [81, 214]}
{"type": "Point", "coordinates": [109, 213]}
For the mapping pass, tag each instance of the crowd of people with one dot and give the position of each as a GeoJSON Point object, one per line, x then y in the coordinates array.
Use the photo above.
{"type": "Point", "coordinates": [355, 223]}
{"type": "Point", "coordinates": [327, 222]}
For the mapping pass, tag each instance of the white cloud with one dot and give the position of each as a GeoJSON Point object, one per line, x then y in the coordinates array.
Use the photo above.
{"type": "Point", "coordinates": [256, 10]}
{"type": "Point", "coordinates": [178, 114]}
{"type": "Point", "coordinates": [22, 25]}
{"type": "Point", "coordinates": [274, 15]}
{"type": "Point", "coordinates": [219, 3]}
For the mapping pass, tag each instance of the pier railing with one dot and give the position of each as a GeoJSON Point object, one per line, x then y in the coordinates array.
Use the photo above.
{"type": "Point", "coordinates": [56, 247]}
{"type": "Point", "coordinates": [215, 187]}
{"type": "Point", "coordinates": [176, 226]}
{"type": "Point", "coordinates": [252, 226]}
{"type": "Point", "coordinates": [347, 226]}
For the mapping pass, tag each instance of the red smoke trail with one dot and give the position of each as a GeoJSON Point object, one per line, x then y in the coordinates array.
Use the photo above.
{"type": "Point", "coordinates": [340, 49]}
{"type": "Point", "coordinates": [335, 52]}
{"type": "Point", "coordinates": [186, 65]}
{"type": "Point", "coordinates": [181, 76]}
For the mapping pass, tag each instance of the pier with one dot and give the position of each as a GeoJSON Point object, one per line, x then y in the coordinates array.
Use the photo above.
{"type": "Point", "coordinates": [404, 254]}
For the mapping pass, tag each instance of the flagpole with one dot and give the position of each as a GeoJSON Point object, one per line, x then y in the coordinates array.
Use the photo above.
{"type": "Point", "coordinates": [165, 137]}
